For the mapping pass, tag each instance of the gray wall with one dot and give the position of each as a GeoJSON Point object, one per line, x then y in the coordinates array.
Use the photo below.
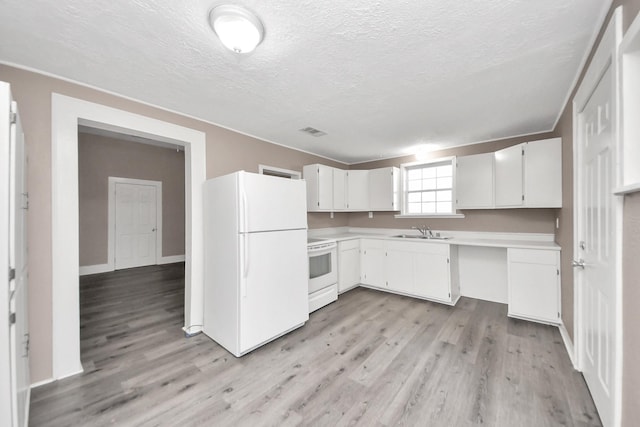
{"type": "Point", "coordinates": [100, 157]}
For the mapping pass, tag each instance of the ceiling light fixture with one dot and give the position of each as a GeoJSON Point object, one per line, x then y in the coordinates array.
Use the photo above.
{"type": "Point", "coordinates": [237, 28]}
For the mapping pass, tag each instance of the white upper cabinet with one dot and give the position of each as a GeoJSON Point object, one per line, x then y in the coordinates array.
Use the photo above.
{"type": "Point", "coordinates": [543, 173]}
{"type": "Point", "coordinates": [508, 170]}
{"type": "Point", "coordinates": [529, 175]}
{"type": "Point", "coordinates": [358, 190]}
{"type": "Point", "coordinates": [475, 181]}
{"type": "Point", "coordinates": [339, 189]}
{"type": "Point", "coordinates": [319, 180]}
{"type": "Point", "coordinates": [384, 189]}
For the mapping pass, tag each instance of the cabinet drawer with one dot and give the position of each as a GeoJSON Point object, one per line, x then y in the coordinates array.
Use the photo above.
{"type": "Point", "coordinates": [533, 256]}
{"type": "Point", "coordinates": [345, 245]}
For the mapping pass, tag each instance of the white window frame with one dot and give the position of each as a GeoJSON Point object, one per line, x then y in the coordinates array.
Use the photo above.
{"type": "Point", "coordinates": [403, 195]}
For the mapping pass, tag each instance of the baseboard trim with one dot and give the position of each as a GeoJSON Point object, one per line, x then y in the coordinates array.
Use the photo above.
{"type": "Point", "coordinates": [95, 269]}
{"type": "Point", "coordinates": [41, 383]}
{"type": "Point", "coordinates": [171, 259]}
{"type": "Point", "coordinates": [568, 344]}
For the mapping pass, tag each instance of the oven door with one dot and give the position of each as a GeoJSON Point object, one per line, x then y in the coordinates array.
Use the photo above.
{"type": "Point", "coordinates": [322, 268]}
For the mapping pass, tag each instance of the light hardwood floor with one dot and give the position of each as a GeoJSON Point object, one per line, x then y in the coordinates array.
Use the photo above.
{"type": "Point", "coordinates": [369, 359]}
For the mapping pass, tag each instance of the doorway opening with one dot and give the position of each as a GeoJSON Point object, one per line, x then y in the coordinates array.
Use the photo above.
{"type": "Point", "coordinates": [67, 114]}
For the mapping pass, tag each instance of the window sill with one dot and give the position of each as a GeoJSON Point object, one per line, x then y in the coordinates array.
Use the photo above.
{"type": "Point", "coordinates": [433, 216]}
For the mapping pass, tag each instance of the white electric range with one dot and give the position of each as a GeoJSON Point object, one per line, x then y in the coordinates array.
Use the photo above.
{"type": "Point", "coordinates": [323, 272]}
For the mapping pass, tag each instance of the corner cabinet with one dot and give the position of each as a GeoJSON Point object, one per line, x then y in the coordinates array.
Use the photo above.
{"type": "Point", "coordinates": [534, 285]}
{"type": "Point", "coordinates": [348, 265]}
{"type": "Point", "coordinates": [529, 175]}
{"type": "Point", "coordinates": [319, 180]}
{"type": "Point", "coordinates": [331, 189]}
{"type": "Point", "coordinates": [419, 269]}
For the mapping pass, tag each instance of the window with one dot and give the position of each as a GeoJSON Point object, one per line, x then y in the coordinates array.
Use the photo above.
{"type": "Point", "coordinates": [429, 188]}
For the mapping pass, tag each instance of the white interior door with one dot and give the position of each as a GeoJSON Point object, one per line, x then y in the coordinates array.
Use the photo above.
{"type": "Point", "coordinates": [136, 227]}
{"type": "Point", "coordinates": [18, 259]}
{"type": "Point", "coordinates": [14, 355]}
{"type": "Point", "coordinates": [596, 246]}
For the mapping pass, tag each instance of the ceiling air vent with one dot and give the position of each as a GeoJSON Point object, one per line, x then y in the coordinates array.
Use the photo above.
{"type": "Point", "coordinates": [313, 131]}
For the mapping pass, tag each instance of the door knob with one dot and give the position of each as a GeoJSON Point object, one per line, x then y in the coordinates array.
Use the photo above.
{"type": "Point", "coordinates": [578, 264]}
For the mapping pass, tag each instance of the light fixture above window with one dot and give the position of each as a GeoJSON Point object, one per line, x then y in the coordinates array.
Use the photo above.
{"type": "Point", "coordinates": [237, 28]}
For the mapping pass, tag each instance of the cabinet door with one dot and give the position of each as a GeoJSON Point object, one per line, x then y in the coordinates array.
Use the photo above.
{"type": "Point", "coordinates": [432, 276]}
{"type": "Point", "coordinates": [384, 189]}
{"type": "Point", "coordinates": [319, 180]}
{"type": "Point", "coordinates": [358, 190]}
{"type": "Point", "coordinates": [348, 264]}
{"type": "Point", "coordinates": [474, 181]}
{"type": "Point", "coordinates": [508, 167]}
{"type": "Point", "coordinates": [339, 189]}
{"type": "Point", "coordinates": [400, 270]}
{"type": "Point", "coordinates": [372, 262]}
{"type": "Point", "coordinates": [534, 285]}
{"type": "Point", "coordinates": [543, 173]}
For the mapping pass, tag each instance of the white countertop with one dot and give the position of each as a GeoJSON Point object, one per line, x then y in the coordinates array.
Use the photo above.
{"type": "Point", "coordinates": [484, 239]}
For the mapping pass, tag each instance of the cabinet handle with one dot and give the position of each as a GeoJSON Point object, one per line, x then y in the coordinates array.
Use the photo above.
{"type": "Point", "coordinates": [578, 264]}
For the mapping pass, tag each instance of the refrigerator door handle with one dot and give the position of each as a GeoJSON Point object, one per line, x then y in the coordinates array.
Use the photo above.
{"type": "Point", "coordinates": [245, 238]}
{"type": "Point", "coordinates": [245, 257]}
{"type": "Point", "coordinates": [245, 212]}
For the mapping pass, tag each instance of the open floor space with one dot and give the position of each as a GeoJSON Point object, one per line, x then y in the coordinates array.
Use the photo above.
{"type": "Point", "coordinates": [370, 358]}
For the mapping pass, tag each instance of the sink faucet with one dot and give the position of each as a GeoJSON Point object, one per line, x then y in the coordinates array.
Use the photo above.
{"type": "Point", "coordinates": [424, 230]}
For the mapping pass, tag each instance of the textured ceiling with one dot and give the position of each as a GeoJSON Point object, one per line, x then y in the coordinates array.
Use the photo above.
{"type": "Point", "coordinates": [379, 77]}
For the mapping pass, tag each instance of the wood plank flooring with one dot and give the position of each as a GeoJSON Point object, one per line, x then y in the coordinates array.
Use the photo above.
{"type": "Point", "coordinates": [369, 359]}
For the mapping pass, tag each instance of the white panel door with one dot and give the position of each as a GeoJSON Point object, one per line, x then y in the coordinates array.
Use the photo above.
{"type": "Point", "coordinates": [14, 345]}
{"type": "Point", "coordinates": [135, 225]}
{"type": "Point", "coordinates": [508, 169]}
{"type": "Point", "coordinates": [18, 258]}
{"type": "Point", "coordinates": [596, 228]}
{"type": "Point", "coordinates": [274, 286]}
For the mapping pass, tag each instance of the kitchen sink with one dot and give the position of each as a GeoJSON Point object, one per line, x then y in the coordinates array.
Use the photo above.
{"type": "Point", "coordinates": [414, 236]}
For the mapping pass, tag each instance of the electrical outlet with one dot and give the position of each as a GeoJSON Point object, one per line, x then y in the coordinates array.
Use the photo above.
{"type": "Point", "coordinates": [558, 223]}
{"type": "Point", "coordinates": [370, 214]}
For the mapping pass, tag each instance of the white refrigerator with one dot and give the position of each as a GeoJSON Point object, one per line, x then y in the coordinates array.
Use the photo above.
{"type": "Point", "coordinates": [256, 267]}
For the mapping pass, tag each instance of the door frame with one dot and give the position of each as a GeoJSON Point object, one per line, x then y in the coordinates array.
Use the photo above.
{"type": "Point", "coordinates": [605, 56]}
{"type": "Point", "coordinates": [111, 216]}
{"type": "Point", "coordinates": [66, 114]}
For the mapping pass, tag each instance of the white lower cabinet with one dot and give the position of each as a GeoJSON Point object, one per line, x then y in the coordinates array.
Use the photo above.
{"type": "Point", "coordinates": [421, 269]}
{"type": "Point", "coordinates": [348, 264]}
{"type": "Point", "coordinates": [372, 255]}
{"type": "Point", "coordinates": [534, 284]}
